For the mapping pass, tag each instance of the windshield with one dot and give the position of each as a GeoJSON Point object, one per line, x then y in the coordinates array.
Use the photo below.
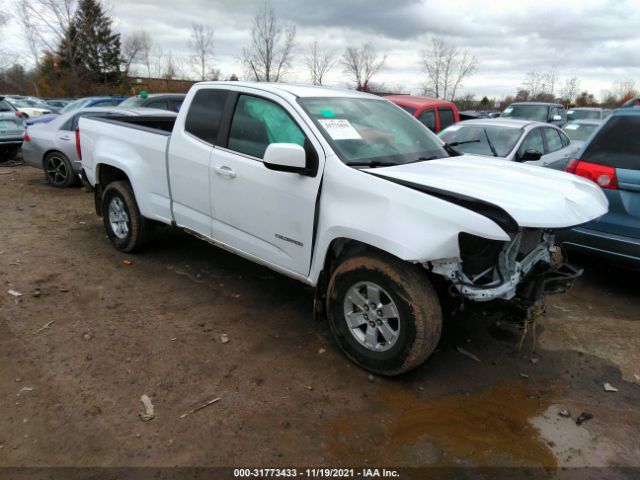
{"type": "Point", "coordinates": [132, 102]}
{"type": "Point", "coordinates": [583, 114]}
{"type": "Point", "coordinates": [371, 132]}
{"type": "Point", "coordinates": [576, 131]}
{"type": "Point", "coordinates": [527, 112]}
{"type": "Point", "coordinates": [5, 106]}
{"type": "Point", "coordinates": [74, 105]}
{"type": "Point", "coordinates": [478, 139]}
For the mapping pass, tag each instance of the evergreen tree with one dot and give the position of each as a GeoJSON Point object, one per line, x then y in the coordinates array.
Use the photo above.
{"type": "Point", "coordinates": [98, 48]}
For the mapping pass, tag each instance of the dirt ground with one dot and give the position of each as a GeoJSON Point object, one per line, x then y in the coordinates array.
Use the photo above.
{"type": "Point", "coordinates": [91, 334]}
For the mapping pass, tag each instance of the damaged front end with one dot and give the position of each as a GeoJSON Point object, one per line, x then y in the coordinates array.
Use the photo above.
{"type": "Point", "coordinates": [520, 271]}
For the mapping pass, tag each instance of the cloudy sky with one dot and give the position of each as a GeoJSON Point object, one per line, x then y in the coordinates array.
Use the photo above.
{"type": "Point", "coordinates": [595, 40]}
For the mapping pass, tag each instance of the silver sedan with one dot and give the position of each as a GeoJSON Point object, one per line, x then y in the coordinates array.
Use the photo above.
{"type": "Point", "coordinates": [534, 143]}
{"type": "Point", "coordinates": [52, 146]}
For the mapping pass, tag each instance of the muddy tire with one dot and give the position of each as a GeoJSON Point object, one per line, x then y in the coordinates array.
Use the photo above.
{"type": "Point", "coordinates": [384, 313]}
{"type": "Point", "coordinates": [127, 229]}
{"type": "Point", "coordinates": [58, 171]}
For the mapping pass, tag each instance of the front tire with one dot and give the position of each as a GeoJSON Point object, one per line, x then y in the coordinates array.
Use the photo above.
{"type": "Point", "coordinates": [383, 313]}
{"type": "Point", "coordinates": [126, 228]}
{"type": "Point", "coordinates": [58, 171]}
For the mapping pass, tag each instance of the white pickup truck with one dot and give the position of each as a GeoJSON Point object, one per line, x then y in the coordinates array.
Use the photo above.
{"type": "Point", "coordinates": [346, 192]}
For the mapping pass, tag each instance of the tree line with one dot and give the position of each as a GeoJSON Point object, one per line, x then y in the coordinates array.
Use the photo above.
{"type": "Point", "coordinates": [76, 51]}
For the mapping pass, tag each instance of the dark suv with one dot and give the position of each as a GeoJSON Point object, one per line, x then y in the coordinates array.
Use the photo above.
{"type": "Point", "coordinates": [553, 113]}
{"type": "Point", "coordinates": [611, 158]}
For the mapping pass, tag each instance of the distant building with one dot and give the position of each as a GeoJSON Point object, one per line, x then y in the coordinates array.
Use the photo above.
{"type": "Point", "coordinates": [158, 85]}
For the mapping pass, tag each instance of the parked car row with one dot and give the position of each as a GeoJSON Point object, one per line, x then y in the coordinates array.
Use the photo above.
{"type": "Point", "coordinates": [17, 111]}
{"type": "Point", "coordinates": [346, 192]}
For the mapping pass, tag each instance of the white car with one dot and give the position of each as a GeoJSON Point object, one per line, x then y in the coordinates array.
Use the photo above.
{"type": "Point", "coordinates": [347, 193]}
{"type": "Point", "coordinates": [524, 141]}
{"type": "Point", "coordinates": [29, 108]}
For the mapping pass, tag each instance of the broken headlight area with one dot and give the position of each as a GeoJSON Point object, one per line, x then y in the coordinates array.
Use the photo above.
{"type": "Point", "coordinates": [519, 270]}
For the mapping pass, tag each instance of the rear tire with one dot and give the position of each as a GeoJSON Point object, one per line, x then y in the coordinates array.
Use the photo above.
{"type": "Point", "coordinates": [58, 171]}
{"type": "Point", "coordinates": [8, 153]}
{"type": "Point", "coordinates": [127, 229]}
{"type": "Point", "coordinates": [401, 330]}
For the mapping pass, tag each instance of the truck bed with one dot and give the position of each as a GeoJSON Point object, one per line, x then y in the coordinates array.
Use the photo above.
{"type": "Point", "coordinates": [154, 123]}
{"type": "Point", "coordinates": [136, 145]}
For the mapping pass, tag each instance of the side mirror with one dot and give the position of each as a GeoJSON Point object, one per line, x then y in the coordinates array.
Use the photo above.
{"type": "Point", "coordinates": [530, 155]}
{"type": "Point", "coordinates": [556, 118]}
{"type": "Point", "coordinates": [285, 157]}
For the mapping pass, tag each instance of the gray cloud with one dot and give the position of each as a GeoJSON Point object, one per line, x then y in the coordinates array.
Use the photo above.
{"type": "Point", "coordinates": [597, 41]}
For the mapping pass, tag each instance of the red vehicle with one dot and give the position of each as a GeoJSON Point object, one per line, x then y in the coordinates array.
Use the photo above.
{"type": "Point", "coordinates": [432, 112]}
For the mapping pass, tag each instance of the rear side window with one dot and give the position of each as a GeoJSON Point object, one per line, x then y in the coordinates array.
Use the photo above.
{"type": "Point", "coordinates": [617, 144]}
{"type": "Point", "coordinates": [428, 119]}
{"type": "Point", "coordinates": [162, 105]}
{"type": "Point", "coordinates": [411, 110]}
{"type": "Point", "coordinates": [554, 142]}
{"type": "Point", "coordinates": [446, 117]}
{"type": "Point", "coordinates": [203, 118]}
{"type": "Point", "coordinates": [258, 122]}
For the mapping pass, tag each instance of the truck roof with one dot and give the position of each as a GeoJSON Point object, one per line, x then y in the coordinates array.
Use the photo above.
{"type": "Point", "coordinates": [297, 90]}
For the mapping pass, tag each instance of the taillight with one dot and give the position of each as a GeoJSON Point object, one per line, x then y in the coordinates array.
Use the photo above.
{"type": "Point", "coordinates": [78, 149]}
{"type": "Point", "coordinates": [604, 176]}
{"type": "Point", "coordinates": [26, 137]}
{"type": "Point", "coordinates": [571, 167]}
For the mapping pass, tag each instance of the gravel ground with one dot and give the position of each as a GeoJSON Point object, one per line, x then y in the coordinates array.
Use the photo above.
{"type": "Point", "coordinates": [95, 329]}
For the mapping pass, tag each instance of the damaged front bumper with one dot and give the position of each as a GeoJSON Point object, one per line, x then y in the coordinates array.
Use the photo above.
{"type": "Point", "coordinates": [522, 270]}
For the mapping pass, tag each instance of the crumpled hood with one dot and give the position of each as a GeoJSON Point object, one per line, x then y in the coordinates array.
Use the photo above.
{"type": "Point", "coordinates": [535, 197]}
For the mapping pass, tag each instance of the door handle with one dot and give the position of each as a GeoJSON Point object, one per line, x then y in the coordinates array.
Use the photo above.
{"type": "Point", "coordinates": [225, 172]}
{"type": "Point", "coordinates": [64, 137]}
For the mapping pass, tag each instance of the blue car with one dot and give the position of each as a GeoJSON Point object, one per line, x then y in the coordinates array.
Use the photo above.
{"type": "Point", "coordinates": [611, 158]}
{"type": "Point", "coordinates": [76, 104]}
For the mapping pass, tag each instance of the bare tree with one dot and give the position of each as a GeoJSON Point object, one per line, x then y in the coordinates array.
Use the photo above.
{"type": "Point", "coordinates": [146, 52]}
{"type": "Point", "coordinates": [447, 67]}
{"type": "Point", "coordinates": [268, 57]}
{"type": "Point", "coordinates": [133, 49]}
{"type": "Point", "coordinates": [172, 67]}
{"type": "Point", "coordinates": [28, 31]}
{"type": "Point", "coordinates": [550, 80]}
{"type": "Point", "coordinates": [534, 83]}
{"type": "Point", "coordinates": [319, 62]}
{"type": "Point", "coordinates": [570, 89]}
{"type": "Point", "coordinates": [202, 45]}
{"type": "Point", "coordinates": [361, 64]}
{"type": "Point", "coordinates": [50, 19]}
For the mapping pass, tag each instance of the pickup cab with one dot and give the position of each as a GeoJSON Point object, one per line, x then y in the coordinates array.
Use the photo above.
{"type": "Point", "coordinates": [345, 192]}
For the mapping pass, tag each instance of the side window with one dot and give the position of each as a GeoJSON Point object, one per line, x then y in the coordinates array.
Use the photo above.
{"type": "Point", "coordinates": [203, 118]}
{"type": "Point", "coordinates": [446, 117]}
{"type": "Point", "coordinates": [103, 103]}
{"type": "Point", "coordinates": [565, 139]}
{"type": "Point", "coordinates": [428, 118]}
{"type": "Point", "coordinates": [68, 125]}
{"type": "Point", "coordinates": [552, 137]}
{"type": "Point", "coordinates": [175, 105]}
{"type": "Point", "coordinates": [532, 142]}
{"type": "Point", "coordinates": [162, 105]}
{"type": "Point", "coordinates": [258, 122]}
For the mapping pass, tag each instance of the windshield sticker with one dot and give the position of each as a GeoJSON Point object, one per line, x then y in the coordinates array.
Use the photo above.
{"type": "Point", "coordinates": [340, 129]}
{"type": "Point", "coordinates": [569, 112]}
{"type": "Point", "coordinates": [572, 126]}
{"type": "Point", "coordinates": [327, 113]}
{"type": "Point", "coordinates": [508, 110]}
{"type": "Point", "coordinates": [453, 128]}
